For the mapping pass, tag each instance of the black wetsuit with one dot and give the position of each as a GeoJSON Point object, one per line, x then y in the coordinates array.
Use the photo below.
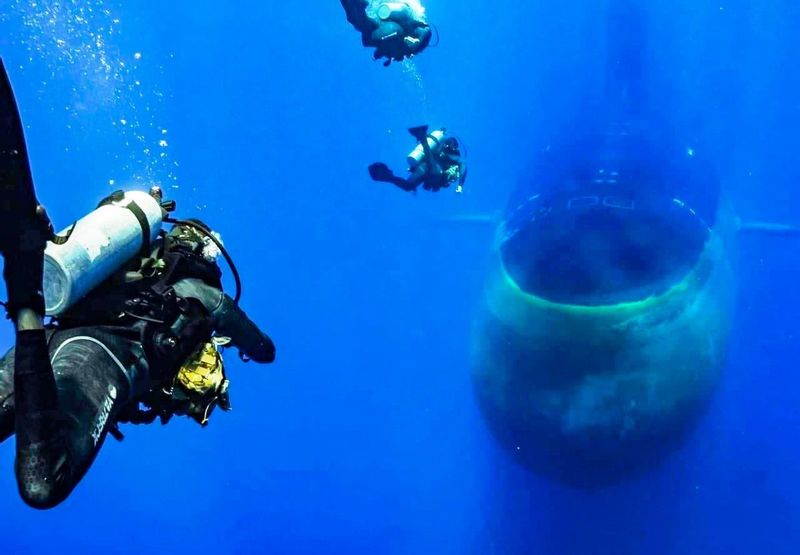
{"type": "Point", "coordinates": [388, 37]}
{"type": "Point", "coordinates": [101, 371]}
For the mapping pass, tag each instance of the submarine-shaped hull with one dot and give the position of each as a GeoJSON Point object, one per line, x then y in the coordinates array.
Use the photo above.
{"type": "Point", "coordinates": [602, 334]}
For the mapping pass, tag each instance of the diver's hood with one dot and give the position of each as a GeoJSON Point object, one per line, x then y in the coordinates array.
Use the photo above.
{"type": "Point", "coordinates": [613, 217]}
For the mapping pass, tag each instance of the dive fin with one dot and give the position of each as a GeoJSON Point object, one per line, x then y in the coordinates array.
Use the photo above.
{"type": "Point", "coordinates": [381, 172]}
{"type": "Point", "coordinates": [15, 169]}
{"type": "Point", "coordinates": [419, 133]}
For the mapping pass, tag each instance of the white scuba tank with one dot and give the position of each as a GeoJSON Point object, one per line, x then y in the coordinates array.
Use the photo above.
{"type": "Point", "coordinates": [418, 154]}
{"type": "Point", "coordinates": [100, 244]}
{"type": "Point", "coordinates": [397, 9]}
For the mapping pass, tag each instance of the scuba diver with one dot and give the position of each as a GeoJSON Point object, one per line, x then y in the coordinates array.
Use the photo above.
{"type": "Point", "coordinates": [397, 30]}
{"type": "Point", "coordinates": [140, 319]}
{"type": "Point", "coordinates": [436, 162]}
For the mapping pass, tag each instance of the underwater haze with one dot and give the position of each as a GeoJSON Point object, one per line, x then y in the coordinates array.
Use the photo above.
{"type": "Point", "coordinates": [365, 436]}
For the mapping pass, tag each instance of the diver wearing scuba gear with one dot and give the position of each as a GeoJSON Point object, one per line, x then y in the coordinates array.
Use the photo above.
{"type": "Point", "coordinates": [436, 163]}
{"type": "Point", "coordinates": [143, 330]}
{"type": "Point", "coordinates": [397, 30]}
{"type": "Point", "coordinates": [108, 353]}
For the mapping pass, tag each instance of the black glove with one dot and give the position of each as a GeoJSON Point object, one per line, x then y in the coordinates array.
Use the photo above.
{"type": "Point", "coordinates": [24, 228]}
{"type": "Point", "coordinates": [253, 343]}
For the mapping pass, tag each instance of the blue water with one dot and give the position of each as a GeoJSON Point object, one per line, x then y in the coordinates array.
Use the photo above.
{"type": "Point", "coordinates": [364, 436]}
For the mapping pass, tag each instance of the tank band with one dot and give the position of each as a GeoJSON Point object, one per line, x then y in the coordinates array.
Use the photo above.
{"type": "Point", "coordinates": [144, 223]}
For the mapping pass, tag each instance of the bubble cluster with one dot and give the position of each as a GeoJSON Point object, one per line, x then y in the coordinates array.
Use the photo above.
{"type": "Point", "coordinates": [77, 41]}
{"type": "Point", "coordinates": [414, 79]}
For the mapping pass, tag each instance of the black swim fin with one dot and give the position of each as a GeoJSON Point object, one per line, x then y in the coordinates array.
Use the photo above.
{"type": "Point", "coordinates": [419, 133]}
{"type": "Point", "coordinates": [23, 230]}
{"type": "Point", "coordinates": [381, 172]}
{"type": "Point", "coordinates": [16, 181]}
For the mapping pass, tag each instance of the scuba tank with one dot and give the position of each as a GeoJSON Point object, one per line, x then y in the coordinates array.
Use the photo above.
{"type": "Point", "coordinates": [97, 245]}
{"type": "Point", "coordinates": [399, 12]}
{"type": "Point", "coordinates": [417, 155]}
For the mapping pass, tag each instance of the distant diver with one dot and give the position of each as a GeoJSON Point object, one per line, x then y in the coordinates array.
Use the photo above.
{"type": "Point", "coordinates": [140, 321]}
{"type": "Point", "coordinates": [396, 29]}
{"type": "Point", "coordinates": [436, 163]}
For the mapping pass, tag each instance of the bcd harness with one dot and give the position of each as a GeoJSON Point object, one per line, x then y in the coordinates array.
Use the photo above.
{"type": "Point", "coordinates": [200, 384]}
{"type": "Point", "coordinates": [176, 333]}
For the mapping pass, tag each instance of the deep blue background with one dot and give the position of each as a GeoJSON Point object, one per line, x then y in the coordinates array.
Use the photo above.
{"type": "Point", "coordinates": [363, 437]}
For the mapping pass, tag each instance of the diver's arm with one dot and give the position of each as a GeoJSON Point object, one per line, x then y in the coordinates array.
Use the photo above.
{"type": "Point", "coordinates": [462, 177]}
{"type": "Point", "coordinates": [381, 172]}
{"type": "Point", "coordinates": [244, 333]}
{"type": "Point", "coordinates": [419, 37]}
{"type": "Point", "coordinates": [229, 319]}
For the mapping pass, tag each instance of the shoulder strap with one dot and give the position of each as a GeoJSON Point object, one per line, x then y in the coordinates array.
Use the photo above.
{"type": "Point", "coordinates": [144, 223]}
{"type": "Point", "coordinates": [115, 198]}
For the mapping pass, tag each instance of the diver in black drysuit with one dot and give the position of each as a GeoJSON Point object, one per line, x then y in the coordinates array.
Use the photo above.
{"type": "Point", "coordinates": [64, 388]}
{"type": "Point", "coordinates": [442, 165]}
{"type": "Point", "coordinates": [401, 35]}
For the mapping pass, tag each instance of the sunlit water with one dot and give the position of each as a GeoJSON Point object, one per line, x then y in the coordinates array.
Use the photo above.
{"type": "Point", "coordinates": [78, 40]}
{"type": "Point", "coordinates": [364, 437]}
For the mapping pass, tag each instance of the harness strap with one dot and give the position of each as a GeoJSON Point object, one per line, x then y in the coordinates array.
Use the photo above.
{"type": "Point", "coordinates": [114, 199]}
{"type": "Point", "coordinates": [141, 217]}
{"type": "Point", "coordinates": [62, 239]}
{"type": "Point", "coordinates": [135, 209]}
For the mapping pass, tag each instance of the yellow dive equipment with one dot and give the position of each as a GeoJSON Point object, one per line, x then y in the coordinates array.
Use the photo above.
{"type": "Point", "coordinates": [201, 384]}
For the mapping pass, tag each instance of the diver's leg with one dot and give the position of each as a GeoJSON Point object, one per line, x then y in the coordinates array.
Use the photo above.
{"type": "Point", "coordinates": [436, 182]}
{"type": "Point", "coordinates": [405, 184]}
{"type": "Point", "coordinates": [40, 438]}
{"type": "Point", "coordinates": [421, 134]}
{"type": "Point", "coordinates": [424, 174]}
{"type": "Point", "coordinates": [418, 177]}
{"type": "Point", "coordinates": [58, 441]}
{"type": "Point", "coordinates": [381, 172]}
